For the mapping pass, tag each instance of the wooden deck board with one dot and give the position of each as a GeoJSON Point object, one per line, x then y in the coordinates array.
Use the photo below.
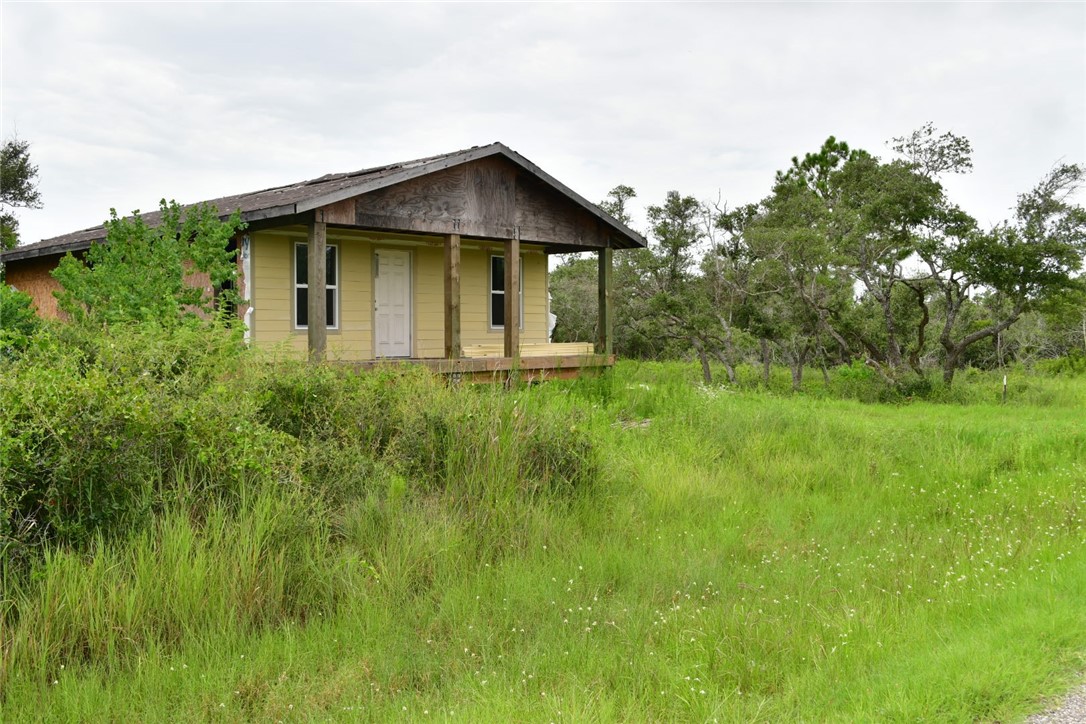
{"type": "Point", "coordinates": [499, 369]}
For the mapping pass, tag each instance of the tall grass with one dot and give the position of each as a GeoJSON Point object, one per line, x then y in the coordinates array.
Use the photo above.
{"type": "Point", "coordinates": [632, 547]}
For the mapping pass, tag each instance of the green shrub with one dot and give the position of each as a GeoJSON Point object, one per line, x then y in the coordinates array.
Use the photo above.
{"type": "Point", "coordinates": [138, 273]}
{"type": "Point", "coordinates": [857, 381]}
{"type": "Point", "coordinates": [95, 426]}
{"type": "Point", "coordinates": [558, 454]}
{"type": "Point", "coordinates": [18, 322]}
{"type": "Point", "coordinates": [1073, 364]}
{"type": "Point", "coordinates": [405, 420]}
{"type": "Point", "coordinates": [103, 428]}
{"type": "Point", "coordinates": [79, 451]}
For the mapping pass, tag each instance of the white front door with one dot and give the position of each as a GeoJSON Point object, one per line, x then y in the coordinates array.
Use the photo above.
{"type": "Point", "coordinates": [392, 303]}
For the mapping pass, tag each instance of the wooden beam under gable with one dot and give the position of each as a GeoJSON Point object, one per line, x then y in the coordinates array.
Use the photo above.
{"type": "Point", "coordinates": [473, 199]}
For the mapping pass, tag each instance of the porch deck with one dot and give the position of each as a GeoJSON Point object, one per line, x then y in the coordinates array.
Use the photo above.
{"type": "Point", "coordinates": [486, 363]}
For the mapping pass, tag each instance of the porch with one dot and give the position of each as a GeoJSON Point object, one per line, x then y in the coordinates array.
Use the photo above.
{"type": "Point", "coordinates": [467, 358]}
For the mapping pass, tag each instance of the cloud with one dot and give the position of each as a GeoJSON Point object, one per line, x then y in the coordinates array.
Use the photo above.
{"type": "Point", "coordinates": [124, 103]}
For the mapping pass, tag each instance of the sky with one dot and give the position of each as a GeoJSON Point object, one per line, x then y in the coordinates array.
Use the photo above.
{"type": "Point", "coordinates": [127, 103]}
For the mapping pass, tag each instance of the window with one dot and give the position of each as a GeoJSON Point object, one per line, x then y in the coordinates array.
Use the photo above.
{"type": "Point", "coordinates": [497, 292]}
{"type": "Point", "coordinates": [301, 286]}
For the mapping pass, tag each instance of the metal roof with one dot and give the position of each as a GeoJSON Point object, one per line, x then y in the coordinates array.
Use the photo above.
{"type": "Point", "coordinates": [307, 195]}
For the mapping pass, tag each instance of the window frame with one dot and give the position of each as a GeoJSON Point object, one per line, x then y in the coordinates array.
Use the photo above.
{"type": "Point", "coordinates": [296, 285]}
{"type": "Point", "coordinates": [491, 291]}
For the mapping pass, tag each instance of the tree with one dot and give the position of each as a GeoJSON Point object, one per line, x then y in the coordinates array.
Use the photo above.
{"type": "Point", "coordinates": [573, 286]}
{"type": "Point", "coordinates": [615, 203]}
{"type": "Point", "coordinates": [796, 236]}
{"type": "Point", "coordinates": [680, 302]}
{"type": "Point", "coordinates": [741, 284]}
{"type": "Point", "coordinates": [138, 274]}
{"type": "Point", "coordinates": [865, 215]}
{"type": "Point", "coordinates": [18, 188]}
{"type": "Point", "coordinates": [574, 290]}
{"type": "Point", "coordinates": [1024, 263]}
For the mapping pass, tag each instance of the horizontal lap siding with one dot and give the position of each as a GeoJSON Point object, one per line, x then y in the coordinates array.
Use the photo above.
{"type": "Point", "coordinates": [535, 299]}
{"type": "Point", "coordinates": [429, 301]}
{"type": "Point", "coordinates": [354, 340]}
{"type": "Point", "coordinates": [475, 297]}
{"type": "Point", "coordinates": [270, 294]}
{"type": "Point", "coordinates": [273, 297]}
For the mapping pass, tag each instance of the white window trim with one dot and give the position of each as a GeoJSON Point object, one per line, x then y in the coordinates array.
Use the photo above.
{"type": "Point", "coordinates": [490, 291]}
{"type": "Point", "coordinates": [295, 286]}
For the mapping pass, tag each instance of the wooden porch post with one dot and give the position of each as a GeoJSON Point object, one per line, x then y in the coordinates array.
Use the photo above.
{"type": "Point", "coordinates": [317, 323]}
{"type": "Point", "coordinates": [605, 328]}
{"type": "Point", "coordinates": [512, 298]}
{"type": "Point", "coordinates": [452, 296]}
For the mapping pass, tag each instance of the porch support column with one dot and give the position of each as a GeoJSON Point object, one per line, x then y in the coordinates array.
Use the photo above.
{"type": "Point", "coordinates": [512, 299]}
{"type": "Point", "coordinates": [452, 296]}
{"type": "Point", "coordinates": [605, 328]}
{"type": "Point", "coordinates": [318, 324]}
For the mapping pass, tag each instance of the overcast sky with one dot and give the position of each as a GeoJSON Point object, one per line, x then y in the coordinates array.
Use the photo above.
{"type": "Point", "coordinates": [126, 103]}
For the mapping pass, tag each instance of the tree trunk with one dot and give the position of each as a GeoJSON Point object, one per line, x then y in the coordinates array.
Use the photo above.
{"type": "Point", "coordinates": [954, 349]}
{"type": "Point", "coordinates": [706, 372]}
{"type": "Point", "coordinates": [893, 349]}
{"type": "Point", "coordinates": [797, 358]}
{"type": "Point", "coordinates": [925, 318]}
{"type": "Point", "coordinates": [766, 359]}
{"type": "Point", "coordinates": [729, 368]}
{"type": "Point", "coordinates": [950, 365]}
{"type": "Point", "coordinates": [728, 354]}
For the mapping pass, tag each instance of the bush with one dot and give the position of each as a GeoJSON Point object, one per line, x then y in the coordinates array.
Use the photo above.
{"type": "Point", "coordinates": [857, 381]}
{"type": "Point", "coordinates": [403, 420]}
{"type": "Point", "coordinates": [79, 450]}
{"type": "Point", "coordinates": [95, 428]}
{"type": "Point", "coordinates": [101, 429]}
{"type": "Point", "coordinates": [1071, 365]}
{"type": "Point", "coordinates": [18, 322]}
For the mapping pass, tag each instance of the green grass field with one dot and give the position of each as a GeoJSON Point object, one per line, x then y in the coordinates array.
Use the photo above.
{"type": "Point", "coordinates": [744, 556]}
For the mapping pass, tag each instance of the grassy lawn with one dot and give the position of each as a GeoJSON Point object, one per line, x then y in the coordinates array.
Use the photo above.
{"type": "Point", "coordinates": [745, 556]}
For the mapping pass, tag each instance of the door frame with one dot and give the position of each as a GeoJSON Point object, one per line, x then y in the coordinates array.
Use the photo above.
{"type": "Point", "coordinates": [374, 262]}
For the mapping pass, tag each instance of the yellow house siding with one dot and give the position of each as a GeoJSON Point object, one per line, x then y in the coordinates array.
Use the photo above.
{"type": "Point", "coordinates": [429, 301]}
{"type": "Point", "coordinates": [535, 298]}
{"type": "Point", "coordinates": [273, 297]}
{"type": "Point", "coordinates": [475, 296]}
{"type": "Point", "coordinates": [354, 340]}
{"type": "Point", "coordinates": [273, 293]}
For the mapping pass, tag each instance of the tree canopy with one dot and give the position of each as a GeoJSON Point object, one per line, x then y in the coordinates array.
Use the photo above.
{"type": "Point", "coordinates": [138, 274]}
{"type": "Point", "coordinates": [850, 258]}
{"type": "Point", "coordinates": [18, 188]}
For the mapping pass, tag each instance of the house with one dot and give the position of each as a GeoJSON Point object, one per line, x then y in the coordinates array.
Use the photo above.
{"type": "Point", "coordinates": [441, 260]}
